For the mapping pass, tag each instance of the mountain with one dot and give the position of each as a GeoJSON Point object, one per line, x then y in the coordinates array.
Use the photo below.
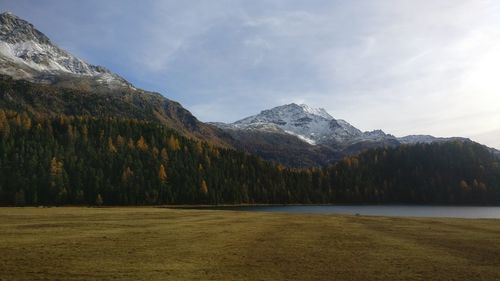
{"type": "Point", "coordinates": [312, 125]}
{"type": "Point", "coordinates": [26, 53]}
{"type": "Point", "coordinates": [75, 133]}
{"type": "Point", "coordinates": [312, 135]}
{"type": "Point", "coordinates": [38, 77]}
{"type": "Point", "coordinates": [413, 139]}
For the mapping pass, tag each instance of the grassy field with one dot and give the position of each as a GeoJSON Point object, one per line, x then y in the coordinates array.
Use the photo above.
{"type": "Point", "coordinates": [166, 244]}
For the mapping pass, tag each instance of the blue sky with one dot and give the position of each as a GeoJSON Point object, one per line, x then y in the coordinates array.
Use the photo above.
{"type": "Point", "coordinates": [407, 67]}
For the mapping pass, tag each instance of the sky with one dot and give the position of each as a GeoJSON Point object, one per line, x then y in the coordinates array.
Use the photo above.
{"type": "Point", "coordinates": [406, 67]}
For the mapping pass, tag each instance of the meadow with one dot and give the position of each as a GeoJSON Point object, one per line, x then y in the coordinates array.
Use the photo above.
{"type": "Point", "coordinates": [78, 243]}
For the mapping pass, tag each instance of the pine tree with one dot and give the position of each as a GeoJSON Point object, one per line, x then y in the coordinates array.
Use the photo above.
{"type": "Point", "coordinates": [164, 154]}
{"type": "Point", "coordinates": [130, 144]}
{"type": "Point", "coordinates": [98, 200]}
{"type": "Point", "coordinates": [85, 133]}
{"type": "Point", "coordinates": [120, 141]}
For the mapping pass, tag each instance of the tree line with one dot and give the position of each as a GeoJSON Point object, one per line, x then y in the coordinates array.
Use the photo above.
{"type": "Point", "coordinates": [84, 160]}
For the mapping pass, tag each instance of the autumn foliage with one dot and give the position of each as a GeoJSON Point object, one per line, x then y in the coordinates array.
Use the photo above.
{"type": "Point", "coordinates": [77, 160]}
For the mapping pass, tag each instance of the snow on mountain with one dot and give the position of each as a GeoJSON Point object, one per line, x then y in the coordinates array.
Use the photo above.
{"type": "Point", "coordinates": [414, 139]}
{"type": "Point", "coordinates": [316, 111]}
{"type": "Point", "coordinates": [26, 53]}
{"type": "Point", "coordinates": [312, 125]}
{"type": "Point", "coordinates": [315, 126]}
{"type": "Point", "coordinates": [376, 135]}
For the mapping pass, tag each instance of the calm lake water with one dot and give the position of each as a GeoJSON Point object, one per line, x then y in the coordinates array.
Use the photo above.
{"type": "Point", "coordinates": [387, 210]}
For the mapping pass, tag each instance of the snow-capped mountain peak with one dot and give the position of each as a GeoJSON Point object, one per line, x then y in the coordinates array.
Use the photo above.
{"type": "Point", "coordinates": [16, 30]}
{"type": "Point", "coordinates": [26, 53]}
{"type": "Point", "coordinates": [316, 126]}
{"type": "Point", "coordinates": [315, 111]}
{"type": "Point", "coordinates": [312, 125]}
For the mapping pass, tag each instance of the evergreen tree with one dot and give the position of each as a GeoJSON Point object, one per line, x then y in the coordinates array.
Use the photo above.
{"type": "Point", "coordinates": [74, 160]}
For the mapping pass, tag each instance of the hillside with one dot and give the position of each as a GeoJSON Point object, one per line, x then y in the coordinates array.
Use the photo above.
{"type": "Point", "coordinates": [49, 100]}
{"type": "Point", "coordinates": [89, 160]}
{"type": "Point", "coordinates": [42, 79]}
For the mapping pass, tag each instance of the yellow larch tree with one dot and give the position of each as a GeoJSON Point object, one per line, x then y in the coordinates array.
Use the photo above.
{"type": "Point", "coordinates": [111, 146]}
{"type": "Point", "coordinates": [203, 187]}
{"type": "Point", "coordinates": [141, 144]}
{"type": "Point", "coordinates": [173, 143]}
{"type": "Point", "coordinates": [130, 144]}
{"type": "Point", "coordinates": [25, 121]}
{"type": "Point", "coordinates": [4, 123]}
{"type": "Point", "coordinates": [162, 174]}
{"type": "Point", "coordinates": [127, 174]}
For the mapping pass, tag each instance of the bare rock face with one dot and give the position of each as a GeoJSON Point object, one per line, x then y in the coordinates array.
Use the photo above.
{"type": "Point", "coordinates": [16, 30]}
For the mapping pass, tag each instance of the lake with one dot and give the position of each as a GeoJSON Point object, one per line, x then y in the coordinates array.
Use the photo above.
{"type": "Point", "coordinates": [381, 210]}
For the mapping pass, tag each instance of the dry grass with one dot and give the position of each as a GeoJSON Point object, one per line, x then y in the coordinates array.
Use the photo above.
{"type": "Point", "coordinates": [164, 244]}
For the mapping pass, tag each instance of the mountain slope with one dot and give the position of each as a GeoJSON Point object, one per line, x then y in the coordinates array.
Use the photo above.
{"type": "Point", "coordinates": [311, 125]}
{"type": "Point", "coordinates": [68, 160]}
{"type": "Point", "coordinates": [26, 53]}
{"type": "Point", "coordinates": [49, 100]}
{"type": "Point", "coordinates": [312, 136]}
{"type": "Point", "coordinates": [58, 82]}
{"type": "Point", "coordinates": [283, 148]}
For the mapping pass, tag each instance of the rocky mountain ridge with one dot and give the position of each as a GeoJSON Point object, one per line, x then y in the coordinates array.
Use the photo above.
{"type": "Point", "coordinates": [39, 77]}
{"type": "Point", "coordinates": [316, 126]}
{"type": "Point", "coordinates": [320, 138]}
{"type": "Point", "coordinates": [26, 53]}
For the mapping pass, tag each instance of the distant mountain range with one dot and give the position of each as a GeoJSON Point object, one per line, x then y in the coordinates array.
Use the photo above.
{"type": "Point", "coordinates": [40, 78]}
{"type": "Point", "coordinates": [315, 126]}
{"type": "Point", "coordinates": [315, 136]}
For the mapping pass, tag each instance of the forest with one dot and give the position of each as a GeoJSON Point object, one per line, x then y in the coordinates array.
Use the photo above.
{"type": "Point", "coordinates": [84, 160]}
